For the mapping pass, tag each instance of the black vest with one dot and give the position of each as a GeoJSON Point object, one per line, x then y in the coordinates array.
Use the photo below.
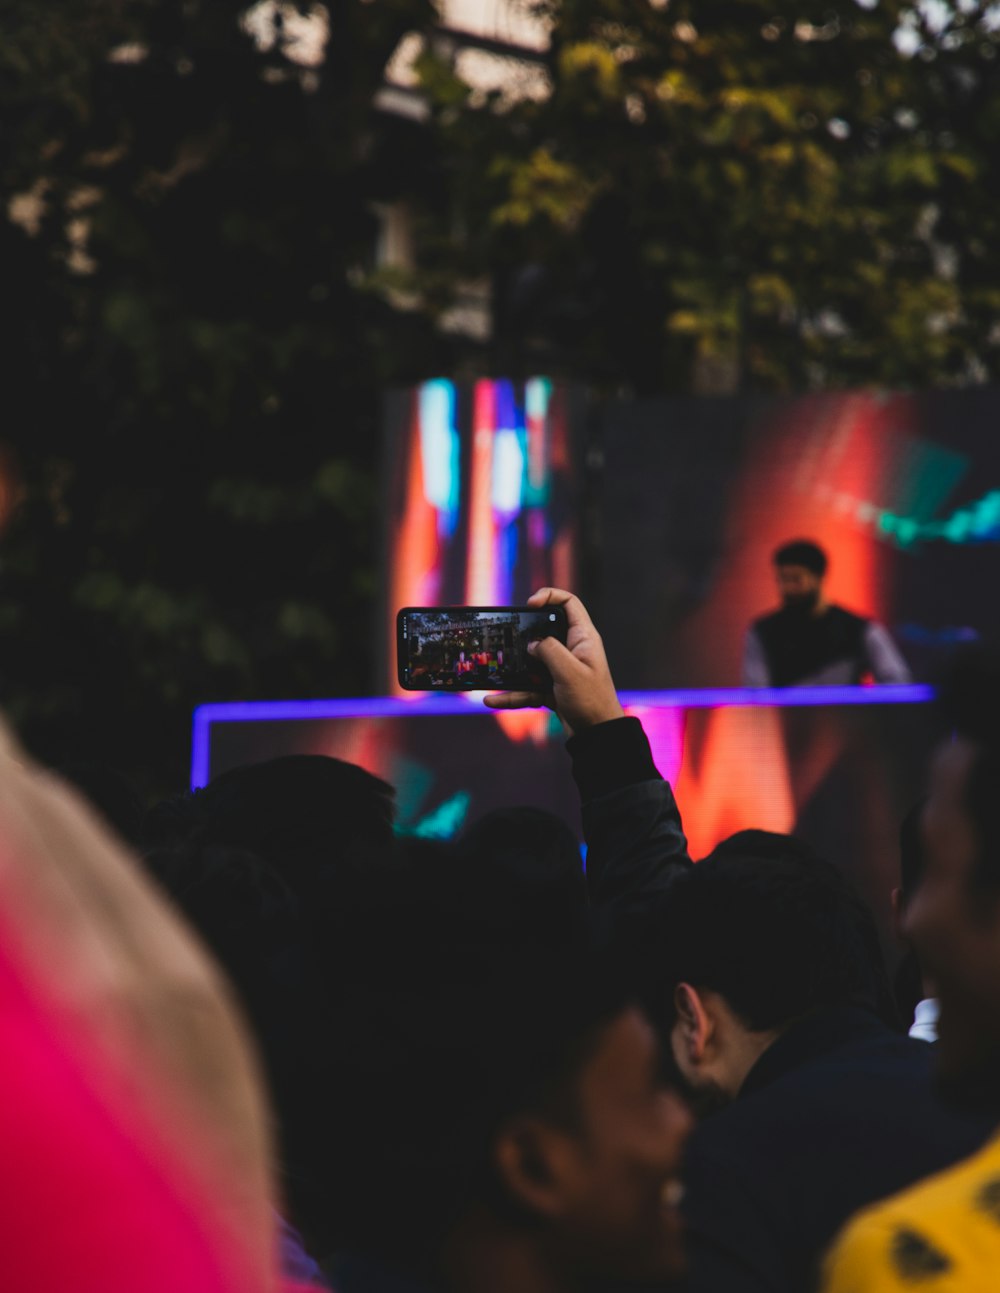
{"type": "Point", "coordinates": [798, 646]}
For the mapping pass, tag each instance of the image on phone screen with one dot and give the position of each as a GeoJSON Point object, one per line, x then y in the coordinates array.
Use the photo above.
{"type": "Point", "coordinates": [474, 648]}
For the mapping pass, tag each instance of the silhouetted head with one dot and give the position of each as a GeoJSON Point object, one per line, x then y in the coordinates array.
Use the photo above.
{"type": "Point", "coordinates": [110, 794]}
{"type": "Point", "coordinates": [250, 920]}
{"type": "Point", "coordinates": [248, 917]}
{"type": "Point", "coordinates": [528, 861]}
{"type": "Point", "coordinates": [759, 935]}
{"type": "Point", "coordinates": [300, 846]}
{"type": "Point", "coordinates": [319, 821]}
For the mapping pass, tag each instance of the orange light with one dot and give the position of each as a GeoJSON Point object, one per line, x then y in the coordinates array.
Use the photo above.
{"type": "Point", "coordinates": [734, 775]}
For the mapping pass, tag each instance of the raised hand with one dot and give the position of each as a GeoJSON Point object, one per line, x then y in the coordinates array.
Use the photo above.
{"type": "Point", "coordinates": [583, 691]}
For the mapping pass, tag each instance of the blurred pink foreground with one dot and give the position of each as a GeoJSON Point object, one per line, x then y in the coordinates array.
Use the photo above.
{"type": "Point", "coordinates": [133, 1127]}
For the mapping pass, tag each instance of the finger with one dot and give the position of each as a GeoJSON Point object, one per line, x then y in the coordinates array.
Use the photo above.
{"type": "Point", "coordinates": [549, 597]}
{"type": "Point", "coordinates": [555, 655]}
{"type": "Point", "coordinates": [576, 612]}
{"type": "Point", "coordinates": [515, 700]}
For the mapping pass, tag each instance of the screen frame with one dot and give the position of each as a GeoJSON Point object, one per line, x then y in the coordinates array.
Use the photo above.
{"type": "Point", "coordinates": [560, 631]}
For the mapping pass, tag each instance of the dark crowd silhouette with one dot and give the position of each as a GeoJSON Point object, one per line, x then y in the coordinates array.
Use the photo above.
{"type": "Point", "coordinates": [256, 1040]}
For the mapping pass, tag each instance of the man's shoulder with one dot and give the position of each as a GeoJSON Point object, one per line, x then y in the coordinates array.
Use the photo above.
{"type": "Point", "coordinates": [944, 1229]}
{"type": "Point", "coordinates": [834, 614]}
{"type": "Point", "coordinates": [867, 1077]}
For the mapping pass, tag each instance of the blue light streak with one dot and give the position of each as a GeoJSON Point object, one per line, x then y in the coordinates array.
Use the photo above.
{"type": "Point", "coordinates": [439, 451]}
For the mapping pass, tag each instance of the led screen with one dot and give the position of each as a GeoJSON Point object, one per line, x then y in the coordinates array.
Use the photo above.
{"type": "Point", "coordinates": [902, 491]}
{"type": "Point", "coordinates": [481, 497]}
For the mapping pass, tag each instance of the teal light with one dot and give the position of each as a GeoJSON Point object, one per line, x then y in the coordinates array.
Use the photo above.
{"type": "Point", "coordinates": [977, 522]}
{"type": "Point", "coordinates": [537, 401]}
{"type": "Point", "coordinates": [445, 821]}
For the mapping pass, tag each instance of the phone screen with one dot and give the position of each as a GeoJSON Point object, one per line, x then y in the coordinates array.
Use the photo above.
{"type": "Point", "coordinates": [474, 648]}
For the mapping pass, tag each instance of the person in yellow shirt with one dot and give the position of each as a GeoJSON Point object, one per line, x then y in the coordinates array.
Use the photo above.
{"type": "Point", "coordinates": [943, 1235]}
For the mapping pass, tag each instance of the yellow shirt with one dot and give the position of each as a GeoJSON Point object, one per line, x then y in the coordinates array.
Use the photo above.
{"type": "Point", "coordinates": [941, 1236]}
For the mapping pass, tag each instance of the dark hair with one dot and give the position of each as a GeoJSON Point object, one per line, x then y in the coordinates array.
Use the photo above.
{"type": "Point", "coordinates": [306, 814]}
{"type": "Point", "coordinates": [244, 912]}
{"type": "Point", "coordinates": [110, 794]}
{"type": "Point", "coordinates": [299, 846]}
{"type": "Point", "coordinates": [971, 702]}
{"type": "Point", "coordinates": [250, 920]}
{"type": "Point", "coordinates": [773, 928]}
{"type": "Point", "coordinates": [802, 552]}
{"type": "Point", "coordinates": [529, 861]}
{"type": "Point", "coordinates": [449, 1024]}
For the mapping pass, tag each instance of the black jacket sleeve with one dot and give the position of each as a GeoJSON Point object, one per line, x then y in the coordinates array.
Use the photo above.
{"type": "Point", "coordinates": [729, 1236]}
{"type": "Point", "coordinates": [635, 841]}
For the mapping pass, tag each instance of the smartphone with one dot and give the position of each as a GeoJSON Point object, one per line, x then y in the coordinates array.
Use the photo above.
{"type": "Point", "coordinates": [474, 648]}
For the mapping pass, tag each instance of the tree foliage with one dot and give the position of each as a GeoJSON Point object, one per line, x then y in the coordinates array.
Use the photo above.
{"type": "Point", "coordinates": [193, 359]}
{"type": "Point", "coordinates": [752, 194]}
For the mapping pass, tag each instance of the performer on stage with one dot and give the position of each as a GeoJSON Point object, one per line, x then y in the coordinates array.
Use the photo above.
{"type": "Point", "coordinates": [813, 642]}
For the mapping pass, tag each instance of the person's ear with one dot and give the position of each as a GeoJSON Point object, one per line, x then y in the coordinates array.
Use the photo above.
{"type": "Point", "coordinates": [694, 1021]}
{"type": "Point", "coordinates": [533, 1162]}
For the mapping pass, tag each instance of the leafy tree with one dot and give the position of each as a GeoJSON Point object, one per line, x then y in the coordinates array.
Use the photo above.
{"type": "Point", "coordinates": [193, 359]}
{"type": "Point", "coordinates": [739, 194]}
{"type": "Point", "coordinates": [752, 194]}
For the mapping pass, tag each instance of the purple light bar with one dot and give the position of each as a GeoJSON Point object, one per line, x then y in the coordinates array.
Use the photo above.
{"type": "Point", "coordinates": [779, 697]}
{"type": "Point", "coordinates": [259, 711]}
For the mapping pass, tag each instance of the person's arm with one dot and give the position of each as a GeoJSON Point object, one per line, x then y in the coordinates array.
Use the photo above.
{"type": "Point", "coordinates": [635, 842]}
{"type": "Point", "coordinates": [755, 670]}
{"type": "Point", "coordinates": [884, 658]}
